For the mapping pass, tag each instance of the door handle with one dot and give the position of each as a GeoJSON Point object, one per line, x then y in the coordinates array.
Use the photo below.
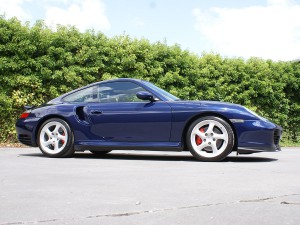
{"type": "Point", "coordinates": [96, 112]}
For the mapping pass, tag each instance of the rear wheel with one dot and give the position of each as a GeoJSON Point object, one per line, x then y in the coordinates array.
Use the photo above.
{"type": "Point", "coordinates": [210, 138]}
{"type": "Point", "coordinates": [55, 138]}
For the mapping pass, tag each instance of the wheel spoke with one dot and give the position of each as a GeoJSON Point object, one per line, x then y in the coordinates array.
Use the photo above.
{"type": "Point", "coordinates": [56, 128]}
{"type": "Point", "coordinates": [210, 127]}
{"type": "Point", "coordinates": [220, 136]}
{"type": "Point", "coordinates": [56, 148]}
{"type": "Point", "coordinates": [214, 148]}
{"type": "Point", "coordinates": [47, 143]}
{"type": "Point", "coordinates": [48, 132]}
{"type": "Point", "coordinates": [202, 146]}
{"type": "Point", "coordinates": [62, 137]}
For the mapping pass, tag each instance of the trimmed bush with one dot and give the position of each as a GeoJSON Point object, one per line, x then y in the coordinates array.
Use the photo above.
{"type": "Point", "coordinates": [38, 64]}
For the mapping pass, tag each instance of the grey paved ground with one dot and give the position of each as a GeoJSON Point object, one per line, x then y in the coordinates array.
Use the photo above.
{"type": "Point", "coordinates": [149, 188]}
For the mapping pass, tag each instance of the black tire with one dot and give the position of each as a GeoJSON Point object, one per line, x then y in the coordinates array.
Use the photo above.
{"type": "Point", "coordinates": [55, 139]}
{"type": "Point", "coordinates": [99, 153]}
{"type": "Point", "coordinates": [210, 139]}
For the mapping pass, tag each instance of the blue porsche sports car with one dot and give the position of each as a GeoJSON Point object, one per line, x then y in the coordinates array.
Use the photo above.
{"type": "Point", "coordinates": [135, 114]}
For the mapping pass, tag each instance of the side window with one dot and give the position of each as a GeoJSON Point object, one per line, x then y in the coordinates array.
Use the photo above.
{"type": "Point", "coordinates": [109, 92]}
{"type": "Point", "coordinates": [119, 92]}
{"type": "Point", "coordinates": [85, 95]}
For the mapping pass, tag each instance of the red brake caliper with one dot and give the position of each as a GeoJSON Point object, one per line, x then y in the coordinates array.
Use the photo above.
{"type": "Point", "coordinates": [198, 139]}
{"type": "Point", "coordinates": [63, 141]}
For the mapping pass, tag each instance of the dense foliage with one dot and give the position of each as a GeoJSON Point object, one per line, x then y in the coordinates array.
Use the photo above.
{"type": "Point", "coordinates": [38, 64]}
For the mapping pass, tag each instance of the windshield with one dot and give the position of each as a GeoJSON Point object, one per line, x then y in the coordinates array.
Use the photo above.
{"type": "Point", "coordinates": [162, 92]}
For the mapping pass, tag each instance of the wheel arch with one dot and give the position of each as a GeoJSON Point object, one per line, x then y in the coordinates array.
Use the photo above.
{"type": "Point", "coordinates": [191, 120]}
{"type": "Point", "coordinates": [45, 119]}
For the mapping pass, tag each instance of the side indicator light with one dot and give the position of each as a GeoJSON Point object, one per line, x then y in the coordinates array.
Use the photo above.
{"type": "Point", "coordinates": [237, 120]}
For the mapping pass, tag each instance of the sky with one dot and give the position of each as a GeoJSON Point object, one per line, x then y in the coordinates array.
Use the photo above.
{"type": "Point", "coordinates": [269, 29]}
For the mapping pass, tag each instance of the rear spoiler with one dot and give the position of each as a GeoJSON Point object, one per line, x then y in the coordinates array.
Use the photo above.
{"type": "Point", "coordinates": [28, 107]}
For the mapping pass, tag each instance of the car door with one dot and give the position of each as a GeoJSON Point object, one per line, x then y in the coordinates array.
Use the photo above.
{"type": "Point", "coordinates": [119, 116]}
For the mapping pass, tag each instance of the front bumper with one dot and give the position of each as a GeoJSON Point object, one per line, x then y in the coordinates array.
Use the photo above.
{"type": "Point", "coordinates": [258, 136]}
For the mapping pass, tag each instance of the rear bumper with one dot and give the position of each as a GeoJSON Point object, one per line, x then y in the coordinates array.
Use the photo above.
{"type": "Point", "coordinates": [26, 132]}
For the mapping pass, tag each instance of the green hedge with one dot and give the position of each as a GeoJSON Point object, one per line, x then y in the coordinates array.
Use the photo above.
{"type": "Point", "coordinates": [38, 64]}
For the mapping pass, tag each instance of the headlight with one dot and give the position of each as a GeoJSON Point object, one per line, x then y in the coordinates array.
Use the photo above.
{"type": "Point", "coordinates": [255, 114]}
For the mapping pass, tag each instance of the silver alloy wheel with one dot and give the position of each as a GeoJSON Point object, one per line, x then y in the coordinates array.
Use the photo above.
{"type": "Point", "coordinates": [209, 138]}
{"type": "Point", "coordinates": [53, 137]}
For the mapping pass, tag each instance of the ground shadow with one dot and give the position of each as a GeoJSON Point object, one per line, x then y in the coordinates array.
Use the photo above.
{"type": "Point", "coordinates": [137, 156]}
{"type": "Point", "coordinates": [160, 157]}
{"type": "Point", "coordinates": [254, 159]}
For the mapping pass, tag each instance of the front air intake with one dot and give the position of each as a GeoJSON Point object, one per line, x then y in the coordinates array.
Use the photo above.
{"type": "Point", "coordinates": [277, 134]}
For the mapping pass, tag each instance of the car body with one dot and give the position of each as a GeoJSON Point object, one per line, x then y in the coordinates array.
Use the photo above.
{"type": "Point", "coordinates": [135, 114]}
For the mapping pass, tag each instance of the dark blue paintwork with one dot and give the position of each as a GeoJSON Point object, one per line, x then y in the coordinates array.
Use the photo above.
{"type": "Point", "coordinates": [159, 124]}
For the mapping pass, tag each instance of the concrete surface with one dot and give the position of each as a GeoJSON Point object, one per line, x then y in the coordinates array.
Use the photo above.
{"type": "Point", "coordinates": [136, 187]}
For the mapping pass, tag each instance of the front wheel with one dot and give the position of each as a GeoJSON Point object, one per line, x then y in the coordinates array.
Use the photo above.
{"type": "Point", "coordinates": [210, 139]}
{"type": "Point", "coordinates": [55, 138]}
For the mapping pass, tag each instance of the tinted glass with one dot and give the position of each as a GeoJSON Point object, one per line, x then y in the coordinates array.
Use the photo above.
{"type": "Point", "coordinates": [85, 95]}
{"type": "Point", "coordinates": [108, 92]}
{"type": "Point", "coordinates": [119, 92]}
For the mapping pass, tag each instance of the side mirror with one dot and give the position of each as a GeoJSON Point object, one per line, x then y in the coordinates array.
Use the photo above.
{"type": "Point", "coordinates": [144, 95]}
